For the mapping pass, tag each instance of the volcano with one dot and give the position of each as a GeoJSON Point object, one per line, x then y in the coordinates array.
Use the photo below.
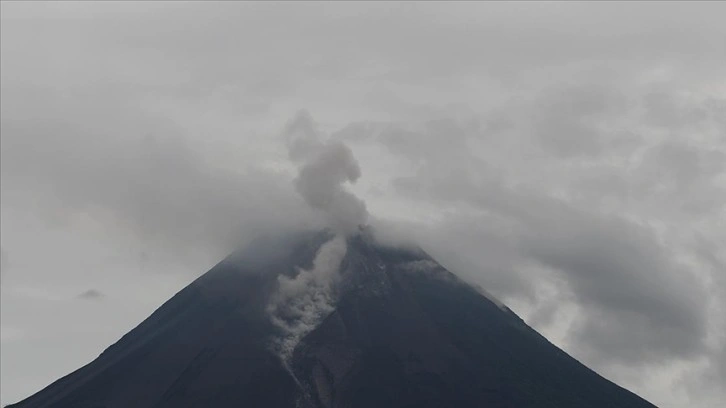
{"type": "Point", "coordinates": [390, 328]}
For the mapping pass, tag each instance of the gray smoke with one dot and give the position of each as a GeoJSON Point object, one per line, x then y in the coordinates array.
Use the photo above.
{"type": "Point", "coordinates": [324, 168]}
{"type": "Point", "coordinates": [302, 302]}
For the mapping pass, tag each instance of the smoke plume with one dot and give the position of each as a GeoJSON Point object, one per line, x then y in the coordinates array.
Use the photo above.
{"type": "Point", "coordinates": [324, 167]}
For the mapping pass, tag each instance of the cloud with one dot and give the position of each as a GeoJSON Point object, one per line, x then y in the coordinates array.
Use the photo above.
{"type": "Point", "coordinates": [146, 181]}
{"type": "Point", "coordinates": [10, 334]}
{"type": "Point", "coordinates": [566, 120]}
{"type": "Point", "coordinates": [603, 259]}
{"type": "Point", "coordinates": [593, 245]}
{"type": "Point", "coordinates": [3, 262]}
{"type": "Point", "coordinates": [91, 294]}
{"type": "Point", "coordinates": [629, 315]}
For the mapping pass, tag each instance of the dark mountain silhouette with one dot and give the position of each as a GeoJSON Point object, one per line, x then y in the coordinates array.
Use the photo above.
{"type": "Point", "coordinates": [404, 333]}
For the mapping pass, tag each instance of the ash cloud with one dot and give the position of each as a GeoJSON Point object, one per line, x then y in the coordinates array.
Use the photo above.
{"type": "Point", "coordinates": [323, 169]}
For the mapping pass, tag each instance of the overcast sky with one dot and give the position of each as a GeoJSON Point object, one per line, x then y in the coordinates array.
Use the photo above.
{"type": "Point", "coordinates": [570, 158]}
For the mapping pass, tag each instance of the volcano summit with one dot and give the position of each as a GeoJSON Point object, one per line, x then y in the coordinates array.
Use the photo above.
{"type": "Point", "coordinates": [322, 321]}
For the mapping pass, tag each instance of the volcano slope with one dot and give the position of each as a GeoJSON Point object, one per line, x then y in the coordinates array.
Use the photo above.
{"type": "Point", "coordinates": [398, 330]}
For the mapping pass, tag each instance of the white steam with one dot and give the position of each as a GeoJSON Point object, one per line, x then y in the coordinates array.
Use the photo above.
{"type": "Point", "coordinates": [324, 168]}
{"type": "Point", "coordinates": [302, 302]}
